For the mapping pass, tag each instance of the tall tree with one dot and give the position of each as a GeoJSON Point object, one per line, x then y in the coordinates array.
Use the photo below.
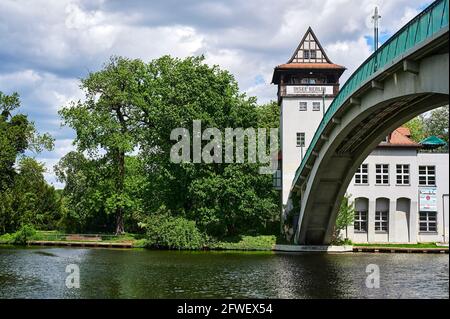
{"type": "Point", "coordinates": [17, 134]}
{"type": "Point", "coordinates": [223, 198]}
{"type": "Point", "coordinates": [105, 122]}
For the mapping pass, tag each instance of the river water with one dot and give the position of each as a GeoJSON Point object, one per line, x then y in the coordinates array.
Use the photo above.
{"type": "Point", "coordinates": [139, 273]}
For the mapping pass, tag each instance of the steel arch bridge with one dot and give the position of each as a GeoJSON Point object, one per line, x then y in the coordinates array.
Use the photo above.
{"type": "Point", "coordinates": [406, 76]}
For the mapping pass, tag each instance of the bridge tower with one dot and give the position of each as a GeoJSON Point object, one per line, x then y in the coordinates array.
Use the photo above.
{"type": "Point", "coordinates": [307, 84]}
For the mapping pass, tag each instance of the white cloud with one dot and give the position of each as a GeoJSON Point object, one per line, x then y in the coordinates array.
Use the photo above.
{"type": "Point", "coordinates": [46, 46]}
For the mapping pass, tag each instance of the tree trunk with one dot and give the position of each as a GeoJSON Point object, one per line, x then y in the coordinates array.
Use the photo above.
{"type": "Point", "coordinates": [120, 228]}
{"type": "Point", "coordinates": [119, 222]}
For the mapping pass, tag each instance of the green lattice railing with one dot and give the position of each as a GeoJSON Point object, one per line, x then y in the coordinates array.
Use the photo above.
{"type": "Point", "coordinates": [430, 21]}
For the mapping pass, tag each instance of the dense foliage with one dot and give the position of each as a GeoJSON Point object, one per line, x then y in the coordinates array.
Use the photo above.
{"type": "Point", "coordinates": [435, 123]}
{"type": "Point", "coordinates": [25, 197]}
{"type": "Point", "coordinates": [121, 175]}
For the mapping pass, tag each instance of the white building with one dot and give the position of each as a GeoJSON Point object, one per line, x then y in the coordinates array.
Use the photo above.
{"type": "Point", "coordinates": [400, 194]}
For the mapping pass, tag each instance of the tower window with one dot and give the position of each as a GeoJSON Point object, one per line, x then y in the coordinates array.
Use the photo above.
{"type": "Point", "coordinates": [300, 139]}
{"type": "Point", "coordinates": [305, 54]}
{"type": "Point", "coordinates": [303, 106]}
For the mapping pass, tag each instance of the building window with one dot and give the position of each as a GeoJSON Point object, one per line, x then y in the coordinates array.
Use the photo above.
{"type": "Point", "coordinates": [360, 223]}
{"type": "Point", "coordinates": [382, 174]}
{"type": "Point", "coordinates": [362, 174]}
{"type": "Point", "coordinates": [402, 174]}
{"type": "Point", "coordinates": [427, 222]}
{"type": "Point", "coordinates": [305, 54]}
{"type": "Point", "coordinates": [381, 221]}
{"type": "Point", "coordinates": [312, 54]}
{"type": "Point", "coordinates": [300, 139]}
{"type": "Point", "coordinates": [276, 179]}
{"type": "Point", "coordinates": [427, 175]}
{"type": "Point", "coordinates": [303, 106]}
{"type": "Point", "coordinates": [316, 106]}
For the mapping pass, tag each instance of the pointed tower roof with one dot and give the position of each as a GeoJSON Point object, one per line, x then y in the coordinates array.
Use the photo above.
{"type": "Point", "coordinates": [309, 36]}
{"type": "Point", "coordinates": [310, 55]}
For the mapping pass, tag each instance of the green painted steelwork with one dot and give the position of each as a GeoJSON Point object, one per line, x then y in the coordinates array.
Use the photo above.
{"type": "Point", "coordinates": [430, 21]}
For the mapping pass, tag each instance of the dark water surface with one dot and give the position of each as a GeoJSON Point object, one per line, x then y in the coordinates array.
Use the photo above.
{"type": "Point", "coordinates": [109, 273]}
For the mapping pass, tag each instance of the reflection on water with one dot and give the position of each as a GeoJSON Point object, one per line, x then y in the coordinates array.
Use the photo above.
{"type": "Point", "coordinates": [107, 273]}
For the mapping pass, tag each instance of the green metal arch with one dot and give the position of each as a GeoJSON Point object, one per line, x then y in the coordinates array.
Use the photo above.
{"type": "Point", "coordinates": [425, 25]}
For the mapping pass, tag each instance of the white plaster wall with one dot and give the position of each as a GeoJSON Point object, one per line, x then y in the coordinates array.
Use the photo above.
{"type": "Point", "coordinates": [441, 162]}
{"type": "Point", "coordinates": [397, 230]}
{"type": "Point", "coordinates": [292, 121]}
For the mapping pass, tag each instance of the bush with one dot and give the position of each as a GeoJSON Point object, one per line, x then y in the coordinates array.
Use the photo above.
{"type": "Point", "coordinates": [6, 238]}
{"type": "Point", "coordinates": [25, 233]}
{"type": "Point", "coordinates": [165, 231]}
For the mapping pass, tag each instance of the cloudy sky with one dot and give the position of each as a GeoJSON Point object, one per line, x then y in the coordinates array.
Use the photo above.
{"type": "Point", "coordinates": [47, 46]}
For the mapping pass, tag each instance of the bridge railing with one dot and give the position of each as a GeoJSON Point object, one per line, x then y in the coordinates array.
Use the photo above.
{"type": "Point", "coordinates": [431, 20]}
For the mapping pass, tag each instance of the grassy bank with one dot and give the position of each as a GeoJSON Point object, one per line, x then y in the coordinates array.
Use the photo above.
{"type": "Point", "coordinates": [263, 242]}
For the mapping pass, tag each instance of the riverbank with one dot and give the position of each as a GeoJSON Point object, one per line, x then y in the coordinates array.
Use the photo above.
{"type": "Point", "coordinates": [129, 240]}
{"type": "Point", "coordinates": [238, 243]}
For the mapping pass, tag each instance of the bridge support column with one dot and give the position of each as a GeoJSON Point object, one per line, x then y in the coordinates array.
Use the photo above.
{"type": "Point", "coordinates": [371, 221]}
{"type": "Point", "coordinates": [391, 222]}
{"type": "Point", "coordinates": [413, 221]}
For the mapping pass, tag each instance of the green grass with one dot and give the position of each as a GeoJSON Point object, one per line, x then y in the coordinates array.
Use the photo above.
{"type": "Point", "coordinates": [53, 235]}
{"type": "Point", "coordinates": [419, 245]}
{"type": "Point", "coordinates": [263, 242]}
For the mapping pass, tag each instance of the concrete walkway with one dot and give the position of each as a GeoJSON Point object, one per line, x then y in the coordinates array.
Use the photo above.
{"type": "Point", "coordinates": [313, 248]}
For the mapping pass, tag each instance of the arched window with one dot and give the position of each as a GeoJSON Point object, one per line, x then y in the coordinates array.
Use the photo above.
{"type": "Point", "coordinates": [361, 215]}
{"type": "Point", "coordinates": [382, 215]}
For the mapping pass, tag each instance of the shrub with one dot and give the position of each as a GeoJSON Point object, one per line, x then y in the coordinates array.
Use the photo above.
{"type": "Point", "coordinates": [165, 231]}
{"type": "Point", "coordinates": [25, 233]}
{"type": "Point", "coordinates": [6, 238]}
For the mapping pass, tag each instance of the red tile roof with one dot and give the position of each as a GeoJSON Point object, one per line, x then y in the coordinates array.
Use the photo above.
{"type": "Point", "coordinates": [288, 66]}
{"type": "Point", "coordinates": [400, 138]}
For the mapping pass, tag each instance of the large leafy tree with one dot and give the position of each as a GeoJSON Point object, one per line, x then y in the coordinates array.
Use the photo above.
{"type": "Point", "coordinates": [105, 125]}
{"type": "Point", "coordinates": [89, 193]}
{"type": "Point", "coordinates": [25, 197]}
{"type": "Point", "coordinates": [122, 164]}
{"type": "Point", "coordinates": [224, 199]}
{"type": "Point", "coordinates": [35, 202]}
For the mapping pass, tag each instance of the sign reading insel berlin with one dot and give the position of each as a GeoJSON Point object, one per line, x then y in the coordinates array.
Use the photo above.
{"type": "Point", "coordinates": [427, 199]}
{"type": "Point", "coordinates": [309, 89]}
